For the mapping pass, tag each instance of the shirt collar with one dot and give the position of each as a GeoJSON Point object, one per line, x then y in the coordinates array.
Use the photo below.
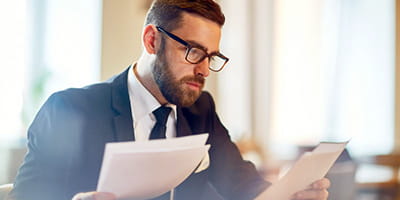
{"type": "Point", "coordinates": [142, 101]}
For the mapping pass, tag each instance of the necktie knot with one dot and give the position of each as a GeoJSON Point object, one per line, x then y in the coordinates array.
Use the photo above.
{"type": "Point", "coordinates": [161, 115]}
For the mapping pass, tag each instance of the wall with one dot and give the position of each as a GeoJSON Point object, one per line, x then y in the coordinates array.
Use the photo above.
{"type": "Point", "coordinates": [397, 86]}
{"type": "Point", "coordinates": [121, 31]}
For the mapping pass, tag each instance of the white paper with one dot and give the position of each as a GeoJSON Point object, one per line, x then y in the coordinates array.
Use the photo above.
{"type": "Point", "coordinates": [204, 164]}
{"type": "Point", "coordinates": [146, 169]}
{"type": "Point", "coordinates": [311, 167]}
{"type": "Point", "coordinates": [179, 142]}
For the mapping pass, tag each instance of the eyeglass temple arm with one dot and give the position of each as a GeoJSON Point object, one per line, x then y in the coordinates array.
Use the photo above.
{"type": "Point", "coordinates": [172, 36]}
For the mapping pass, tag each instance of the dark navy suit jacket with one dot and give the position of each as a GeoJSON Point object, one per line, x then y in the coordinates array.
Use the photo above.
{"type": "Point", "coordinates": [67, 138]}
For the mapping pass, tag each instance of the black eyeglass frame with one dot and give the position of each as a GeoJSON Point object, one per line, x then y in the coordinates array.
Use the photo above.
{"type": "Point", "coordinates": [189, 47]}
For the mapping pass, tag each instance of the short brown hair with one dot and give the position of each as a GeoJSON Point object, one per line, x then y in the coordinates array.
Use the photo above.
{"type": "Point", "coordinates": [168, 13]}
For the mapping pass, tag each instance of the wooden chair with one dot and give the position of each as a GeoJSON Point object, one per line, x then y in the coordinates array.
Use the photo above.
{"type": "Point", "coordinates": [385, 189]}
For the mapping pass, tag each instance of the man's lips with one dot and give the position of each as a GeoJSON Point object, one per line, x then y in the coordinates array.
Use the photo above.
{"type": "Point", "coordinates": [193, 84]}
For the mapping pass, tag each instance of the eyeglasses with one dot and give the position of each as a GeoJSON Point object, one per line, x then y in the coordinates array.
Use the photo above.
{"type": "Point", "coordinates": [196, 54]}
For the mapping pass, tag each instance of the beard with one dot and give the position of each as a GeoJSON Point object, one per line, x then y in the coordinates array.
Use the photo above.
{"type": "Point", "coordinates": [175, 90]}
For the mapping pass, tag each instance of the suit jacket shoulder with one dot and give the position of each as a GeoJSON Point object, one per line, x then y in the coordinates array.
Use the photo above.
{"type": "Point", "coordinates": [67, 137]}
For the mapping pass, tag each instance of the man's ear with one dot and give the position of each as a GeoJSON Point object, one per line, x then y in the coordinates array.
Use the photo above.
{"type": "Point", "coordinates": [150, 39]}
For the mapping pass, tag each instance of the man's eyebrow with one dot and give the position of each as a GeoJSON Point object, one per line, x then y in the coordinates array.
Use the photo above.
{"type": "Point", "coordinates": [196, 44]}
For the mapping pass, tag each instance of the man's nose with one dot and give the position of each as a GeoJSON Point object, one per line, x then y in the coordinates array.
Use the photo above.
{"type": "Point", "coordinates": [202, 68]}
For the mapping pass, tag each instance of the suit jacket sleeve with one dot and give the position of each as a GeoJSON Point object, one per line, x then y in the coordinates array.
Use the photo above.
{"type": "Point", "coordinates": [52, 144]}
{"type": "Point", "coordinates": [233, 177]}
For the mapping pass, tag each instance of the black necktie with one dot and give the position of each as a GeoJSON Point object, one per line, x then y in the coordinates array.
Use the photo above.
{"type": "Point", "coordinates": [159, 128]}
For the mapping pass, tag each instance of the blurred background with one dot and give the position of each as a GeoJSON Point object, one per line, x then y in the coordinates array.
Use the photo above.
{"type": "Point", "coordinates": [300, 72]}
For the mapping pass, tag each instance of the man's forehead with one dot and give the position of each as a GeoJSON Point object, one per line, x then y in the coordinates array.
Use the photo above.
{"type": "Point", "coordinates": [199, 31]}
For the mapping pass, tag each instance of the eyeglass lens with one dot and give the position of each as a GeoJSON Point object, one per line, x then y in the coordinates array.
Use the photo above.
{"type": "Point", "coordinates": [196, 55]}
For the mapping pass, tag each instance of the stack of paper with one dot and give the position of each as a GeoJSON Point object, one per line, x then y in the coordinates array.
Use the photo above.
{"type": "Point", "coordinates": [146, 169]}
{"type": "Point", "coordinates": [311, 167]}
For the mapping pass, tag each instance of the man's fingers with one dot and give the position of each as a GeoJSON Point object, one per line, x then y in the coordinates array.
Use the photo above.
{"type": "Point", "coordinates": [104, 196]}
{"type": "Point", "coordinates": [316, 191]}
{"type": "Point", "coordinates": [94, 196]}
{"type": "Point", "coordinates": [320, 184]}
{"type": "Point", "coordinates": [312, 194]}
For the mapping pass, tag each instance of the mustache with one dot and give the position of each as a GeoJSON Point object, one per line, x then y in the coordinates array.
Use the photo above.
{"type": "Point", "coordinates": [198, 79]}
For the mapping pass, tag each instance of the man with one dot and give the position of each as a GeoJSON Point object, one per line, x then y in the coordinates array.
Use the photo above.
{"type": "Point", "coordinates": [181, 45]}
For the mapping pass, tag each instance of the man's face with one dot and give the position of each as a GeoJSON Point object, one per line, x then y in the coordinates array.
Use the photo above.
{"type": "Point", "coordinates": [179, 81]}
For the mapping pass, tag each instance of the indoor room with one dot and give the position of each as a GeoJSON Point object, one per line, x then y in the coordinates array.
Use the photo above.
{"type": "Point", "coordinates": [299, 73]}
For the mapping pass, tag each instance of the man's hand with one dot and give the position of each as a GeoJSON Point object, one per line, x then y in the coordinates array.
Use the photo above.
{"type": "Point", "coordinates": [94, 196]}
{"type": "Point", "coordinates": [316, 191]}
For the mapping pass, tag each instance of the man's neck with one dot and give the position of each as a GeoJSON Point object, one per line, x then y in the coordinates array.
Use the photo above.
{"type": "Point", "coordinates": [143, 72]}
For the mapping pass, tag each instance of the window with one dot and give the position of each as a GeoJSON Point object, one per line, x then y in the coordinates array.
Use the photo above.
{"type": "Point", "coordinates": [334, 74]}
{"type": "Point", "coordinates": [306, 71]}
{"type": "Point", "coordinates": [13, 40]}
{"type": "Point", "coordinates": [47, 46]}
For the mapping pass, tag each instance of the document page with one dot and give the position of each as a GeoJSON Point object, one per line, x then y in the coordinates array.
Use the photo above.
{"type": "Point", "coordinates": [311, 167]}
{"type": "Point", "coordinates": [146, 169]}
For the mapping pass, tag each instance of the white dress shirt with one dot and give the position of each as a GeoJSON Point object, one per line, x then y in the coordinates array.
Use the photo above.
{"type": "Point", "coordinates": [143, 103]}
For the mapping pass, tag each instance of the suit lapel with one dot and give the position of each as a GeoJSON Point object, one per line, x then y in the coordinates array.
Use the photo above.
{"type": "Point", "coordinates": [182, 125]}
{"type": "Point", "coordinates": [123, 122]}
{"type": "Point", "coordinates": [123, 128]}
